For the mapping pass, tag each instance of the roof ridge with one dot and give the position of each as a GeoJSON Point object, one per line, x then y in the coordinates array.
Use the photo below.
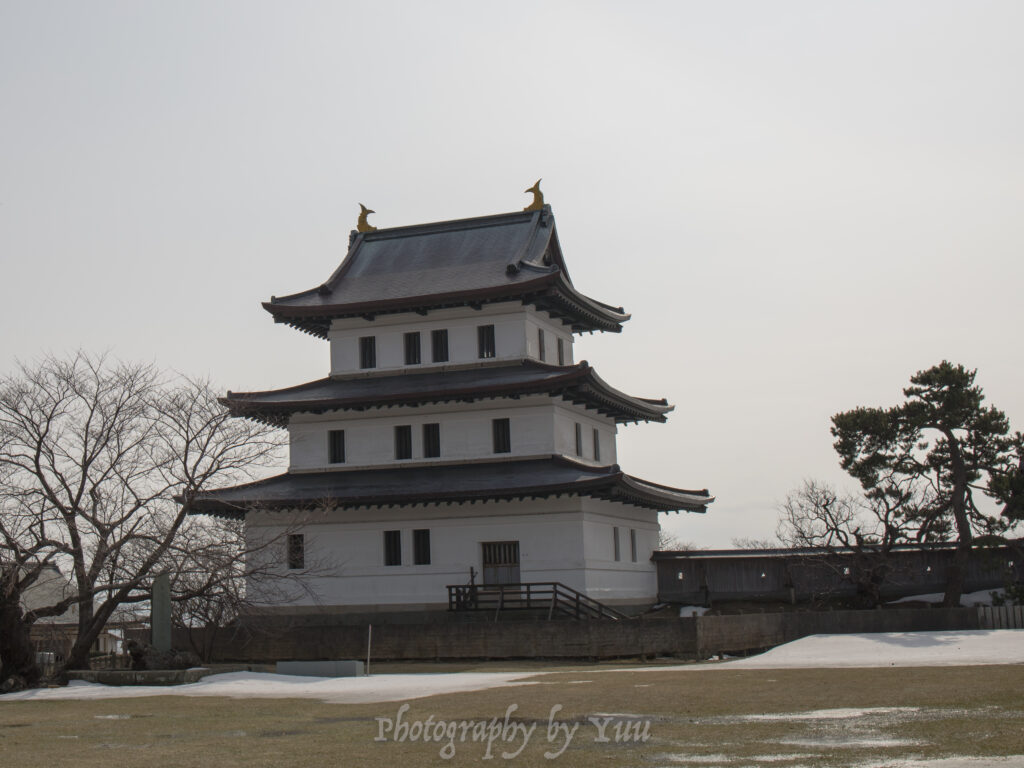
{"type": "Point", "coordinates": [447, 225]}
{"type": "Point", "coordinates": [452, 225]}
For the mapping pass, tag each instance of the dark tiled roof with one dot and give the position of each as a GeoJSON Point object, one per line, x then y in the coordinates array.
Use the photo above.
{"type": "Point", "coordinates": [578, 383]}
{"type": "Point", "coordinates": [798, 552]}
{"type": "Point", "coordinates": [450, 263]}
{"type": "Point", "coordinates": [452, 483]}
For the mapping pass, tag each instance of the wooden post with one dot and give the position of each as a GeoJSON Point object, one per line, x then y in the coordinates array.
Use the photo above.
{"type": "Point", "coordinates": [160, 612]}
{"type": "Point", "coordinates": [369, 645]}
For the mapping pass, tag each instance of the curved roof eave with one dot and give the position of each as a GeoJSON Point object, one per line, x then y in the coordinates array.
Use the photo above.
{"type": "Point", "coordinates": [448, 484]}
{"type": "Point", "coordinates": [583, 313]}
{"type": "Point", "coordinates": [691, 501]}
{"type": "Point", "coordinates": [578, 382]}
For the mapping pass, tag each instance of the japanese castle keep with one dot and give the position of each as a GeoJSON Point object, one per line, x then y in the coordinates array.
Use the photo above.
{"type": "Point", "coordinates": [456, 438]}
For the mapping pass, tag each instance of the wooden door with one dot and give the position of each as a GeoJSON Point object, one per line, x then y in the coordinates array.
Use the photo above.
{"type": "Point", "coordinates": [501, 562]}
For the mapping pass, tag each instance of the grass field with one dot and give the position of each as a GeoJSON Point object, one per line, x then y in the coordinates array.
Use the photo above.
{"type": "Point", "coordinates": [711, 717]}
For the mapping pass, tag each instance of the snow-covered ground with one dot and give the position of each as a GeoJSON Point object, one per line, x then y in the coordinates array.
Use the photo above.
{"type": "Point", "coordinates": [260, 685]}
{"type": "Point", "coordinates": [970, 600]}
{"type": "Point", "coordinates": [892, 649]}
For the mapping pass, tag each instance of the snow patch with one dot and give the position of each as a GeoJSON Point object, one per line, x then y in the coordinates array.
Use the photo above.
{"type": "Point", "coordinates": [853, 743]}
{"type": "Point", "coordinates": [619, 714]}
{"type": "Point", "coordinates": [261, 685]}
{"type": "Point", "coordinates": [688, 611]}
{"type": "Point", "coordinates": [684, 758]}
{"type": "Point", "coordinates": [828, 714]}
{"type": "Point", "coordinates": [970, 600]}
{"type": "Point", "coordinates": [1011, 761]}
{"type": "Point", "coordinates": [894, 649]}
{"type": "Point", "coordinates": [882, 649]}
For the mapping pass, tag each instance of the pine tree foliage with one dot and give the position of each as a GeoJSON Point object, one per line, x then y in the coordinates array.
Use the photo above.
{"type": "Point", "coordinates": [956, 453]}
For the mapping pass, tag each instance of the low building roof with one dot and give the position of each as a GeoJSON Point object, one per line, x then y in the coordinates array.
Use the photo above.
{"type": "Point", "coordinates": [467, 262]}
{"type": "Point", "coordinates": [800, 552]}
{"type": "Point", "coordinates": [447, 484]}
{"type": "Point", "coordinates": [578, 383]}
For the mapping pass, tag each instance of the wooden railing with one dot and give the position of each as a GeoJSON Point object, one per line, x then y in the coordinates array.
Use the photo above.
{"type": "Point", "coordinates": [551, 596]}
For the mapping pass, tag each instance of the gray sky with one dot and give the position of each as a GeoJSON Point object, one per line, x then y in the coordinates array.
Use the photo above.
{"type": "Point", "coordinates": [801, 203]}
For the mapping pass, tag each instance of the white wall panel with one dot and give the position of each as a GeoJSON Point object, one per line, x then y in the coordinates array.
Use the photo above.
{"type": "Point", "coordinates": [563, 539]}
{"type": "Point", "coordinates": [515, 333]}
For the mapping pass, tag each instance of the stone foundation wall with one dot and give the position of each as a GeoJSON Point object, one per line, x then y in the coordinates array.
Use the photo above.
{"type": "Point", "coordinates": [438, 639]}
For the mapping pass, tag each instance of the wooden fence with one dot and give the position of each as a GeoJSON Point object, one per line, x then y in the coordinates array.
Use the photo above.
{"type": "Point", "coordinates": [1001, 616]}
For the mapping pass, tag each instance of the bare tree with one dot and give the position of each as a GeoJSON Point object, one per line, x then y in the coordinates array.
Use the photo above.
{"type": "Point", "coordinates": [855, 535]}
{"type": "Point", "coordinates": [100, 463]}
{"type": "Point", "coordinates": [672, 543]}
{"type": "Point", "coordinates": [750, 542]}
{"type": "Point", "coordinates": [222, 572]}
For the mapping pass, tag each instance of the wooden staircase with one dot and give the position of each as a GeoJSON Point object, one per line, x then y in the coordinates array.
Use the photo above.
{"type": "Point", "coordinates": [551, 596]}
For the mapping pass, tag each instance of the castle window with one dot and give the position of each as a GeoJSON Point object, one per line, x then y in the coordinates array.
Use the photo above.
{"type": "Point", "coordinates": [336, 446]}
{"type": "Point", "coordinates": [502, 435]}
{"type": "Point", "coordinates": [439, 345]}
{"type": "Point", "coordinates": [421, 546]}
{"type": "Point", "coordinates": [540, 344]}
{"type": "Point", "coordinates": [597, 445]}
{"type": "Point", "coordinates": [632, 544]}
{"type": "Point", "coordinates": [296, 551]}
{"type": "Point", "coordinates": [431, 440]}
{"type": "Point", "coordinates": [368, 352]}
{"type": "Point", "coordinates": [412, 348]}
{"type": "Point", "coordinates": [579, 439]}
{"type": "Point", "coordinates": [403, 442]}
{"type": "Point", "coordinates": [485, 340]}
{"type": "Point", "coordinates": [561, 351]}
{"type": "Point", "coordinates": [615, 543]}
{"type": "Point", "coordinates": [392, 547]}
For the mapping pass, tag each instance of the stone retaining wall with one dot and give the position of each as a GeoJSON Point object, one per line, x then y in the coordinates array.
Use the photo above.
{"type": "Point", "coordinates": [695, 637]}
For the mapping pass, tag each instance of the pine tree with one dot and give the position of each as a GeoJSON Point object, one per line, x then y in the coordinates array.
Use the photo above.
{"type": "Point", "coordinates": [957, 449]}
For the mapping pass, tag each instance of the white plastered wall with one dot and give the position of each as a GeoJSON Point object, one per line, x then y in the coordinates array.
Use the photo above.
{"type": "Point", "coordinates": [515, 337]}
{"type": "Point", "coordinates": [537, 322]}
{"type": "Point", "coordinates": [610, 580]}
{"type": "Point", "coordinates": [540, 425]}
{"type": "Point", "coordinates": [565, 539]}
{"type": "Point", "coordinates": [567, 417]}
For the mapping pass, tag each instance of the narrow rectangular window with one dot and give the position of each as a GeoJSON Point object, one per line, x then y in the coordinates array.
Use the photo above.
{"type": "Point", "coordinates": [439, 345]}
{"type": "Point", "coordinates": [421, 546]}
{"type": "Point", "coordinates": [632, 543]}
{"type": "Point", "coordinates": [412, 348]}
{"type": "Point", "coordinates": [579, 439]}
{"type": "Point", "coordinates": [597, 445]}
{"type": "Point", "coordinates": [296, 551]}
{"type": "Point", "coordinates": [368, 352]}
{"type": "Point", "coordinates": [392, 547]}
{"type": "Point", "coordinates": [336, 446]}
{"type": "Point", "coordinates": [485, 340]}
{"type": "Point", "coordinates": [561, 351]}
{"type": "Point", "coordinates": [540, 344]}
{"type": "Point", "coordinates": [502, 436]}
{"type": "Point", "coordinates": [403, 442]}
{"type": "Point", "coordinates": [615, 543]}
{"type": "Point", "coordinates": [431, 440]}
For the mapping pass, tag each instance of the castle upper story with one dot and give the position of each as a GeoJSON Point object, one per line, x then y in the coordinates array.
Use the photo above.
{"type": "Point", "coordinates": [471, 263]}
{"type": "Point", "coordinates": [448, 338]}
{"type": "Point", "coordinates": [450, 342]}
{"type": "Point", "coordinates": [453, 377]}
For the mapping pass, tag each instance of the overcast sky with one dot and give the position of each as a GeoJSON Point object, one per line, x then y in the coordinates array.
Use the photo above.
{"type": "Point", "coordinates": [801, 203]}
